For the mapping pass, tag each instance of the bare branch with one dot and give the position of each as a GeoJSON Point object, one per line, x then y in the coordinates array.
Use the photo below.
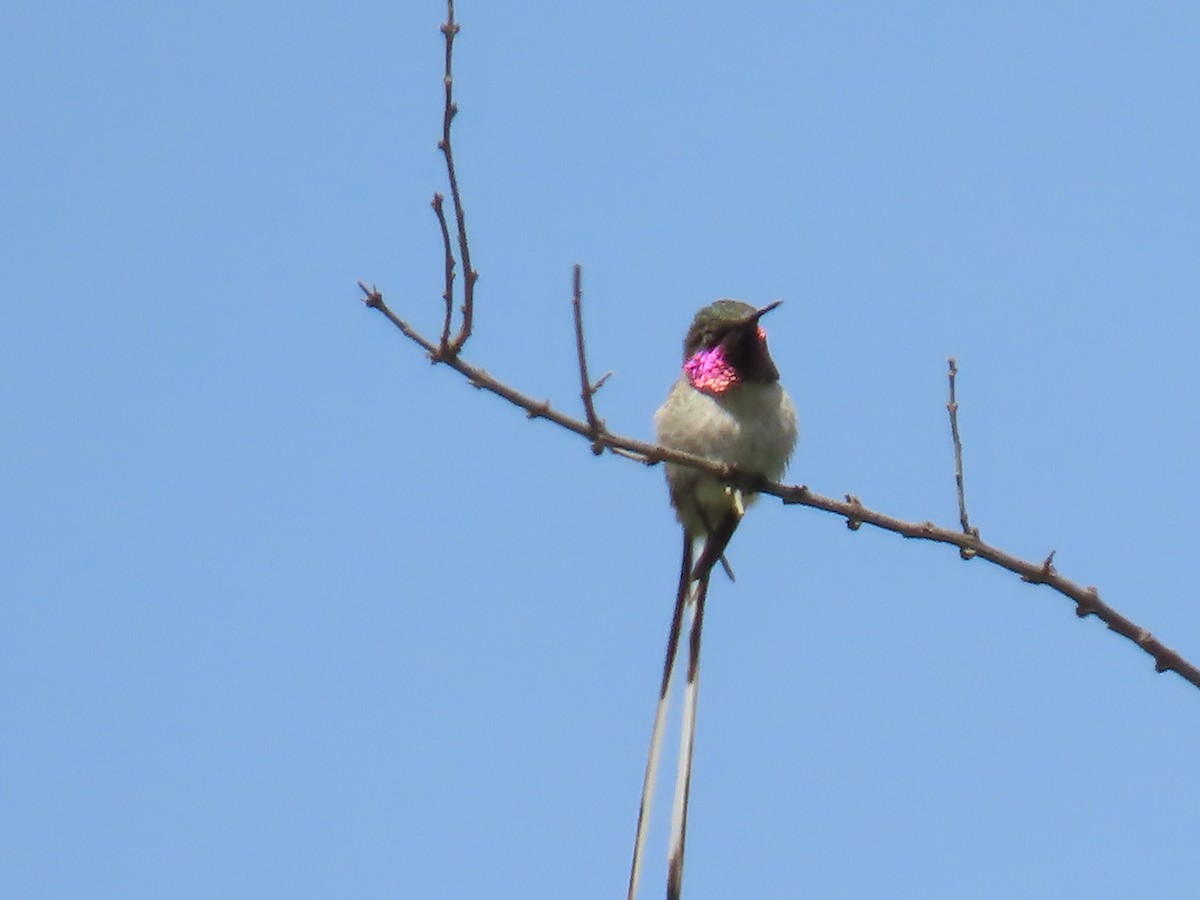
{"type": "Point", "coordinates": [540, 409]}
{"type": "Point", "coordinates": [587, 389]}
{"type": "Point", "coordinates": [952, 408]}
{"type": "Point", "coordinates": [1087, 599]}
{"type": "Point", "coordinates": [447, 294]}
{"type": "Point", "coordinates": [592, 428]}
{"type": "Point", "coordinates": [450, 29]}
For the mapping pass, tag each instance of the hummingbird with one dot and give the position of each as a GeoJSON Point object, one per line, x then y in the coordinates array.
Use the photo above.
{"type": "Point", "coordinates": [726, 406]}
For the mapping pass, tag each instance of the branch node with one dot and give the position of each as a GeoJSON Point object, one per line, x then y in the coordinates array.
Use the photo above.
{"type": "Point", "coordinates": [652, 458]}
{"type": "Point", "coordinates": [373, 298]}
{"type": "Point", "coordinates": [1088, 605]}
{"type": "Point", "coordinates": [852, 523]}
{"type": "Point", "coordinates": [795, 495]}
{"type": "Point", "coordinates": [1044, 572]}
{"type": "Point", "coordinates": [969, 547]}
{"type": "Point", "coordinates": [1048, 565]}
{"type": "Point", "coordinates": [538, 410]}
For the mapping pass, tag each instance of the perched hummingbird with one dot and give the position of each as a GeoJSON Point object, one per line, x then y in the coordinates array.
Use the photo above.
{"type": "Point", "coordinates": [727, 406]}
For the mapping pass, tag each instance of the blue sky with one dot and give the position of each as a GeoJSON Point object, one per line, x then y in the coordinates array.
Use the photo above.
{"type": "Point", "coordinates": [289, 613]}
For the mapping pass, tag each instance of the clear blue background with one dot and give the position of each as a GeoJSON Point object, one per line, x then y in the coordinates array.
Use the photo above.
{"type": "Point", "coordinates": [286, 612]}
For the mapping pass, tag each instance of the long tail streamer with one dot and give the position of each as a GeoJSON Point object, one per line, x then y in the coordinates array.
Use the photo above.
{"type": "Point", "coordinates": [693, 593]}
{"type": "Point", "coordinates": [660, 718]}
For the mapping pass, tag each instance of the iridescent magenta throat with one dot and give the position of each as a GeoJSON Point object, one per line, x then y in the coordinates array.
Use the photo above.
{"type": "Point", "coordinates": [710, 372]}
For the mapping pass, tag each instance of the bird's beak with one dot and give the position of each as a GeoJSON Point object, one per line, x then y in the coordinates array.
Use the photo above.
{"type": "Point", "coordinates": [759, 313]}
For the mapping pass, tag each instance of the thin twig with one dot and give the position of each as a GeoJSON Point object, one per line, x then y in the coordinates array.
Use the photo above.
{"type": "Point", "coordinates": [587, 390]}
{"type": "Point", "coordinates": [448, 293]}
{"type": "Point", "coordinates": [952, 408]}
{"type": "Point", "coordinates": [450, 29]}
{"type": "Point", "coordinates": [644, 452]}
